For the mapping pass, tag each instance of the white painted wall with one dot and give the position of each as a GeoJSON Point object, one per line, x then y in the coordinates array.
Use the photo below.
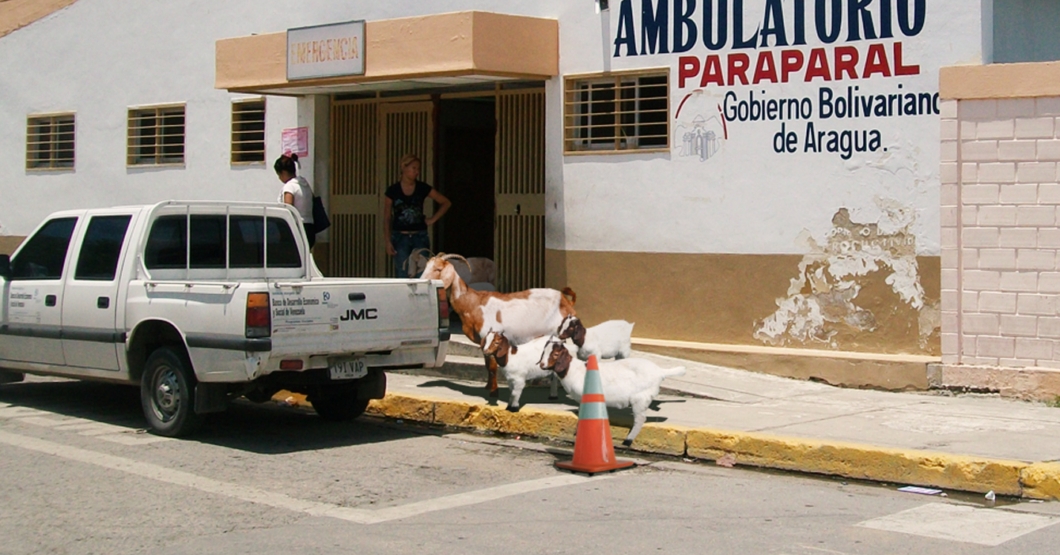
{"type": "Point", "coordinates": [747, 198]}
{"type": "Point", "coordinates": [99, 57]}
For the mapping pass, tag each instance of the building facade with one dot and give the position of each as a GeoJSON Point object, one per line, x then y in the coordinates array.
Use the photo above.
{"type": "Point", "coordinates": [756, 183]}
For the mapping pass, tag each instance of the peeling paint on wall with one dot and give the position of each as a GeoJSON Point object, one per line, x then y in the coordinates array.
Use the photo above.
{"type": "Point", "coordinates": [822, 300]}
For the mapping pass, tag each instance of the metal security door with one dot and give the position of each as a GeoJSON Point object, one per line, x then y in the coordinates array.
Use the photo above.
{"type": "Point", "coordinates": [404, 128]}
{"type": "Point", "coordinates": [355, 200]}
{"type": "Point", "coordinates": [519, 245]}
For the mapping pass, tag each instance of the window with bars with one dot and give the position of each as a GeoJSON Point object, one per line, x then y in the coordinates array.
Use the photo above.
{"type": "Point", "coordinates": [248, 131]}
{"type": "Point", "coordinates": [617, 113]}
{"type": "Point", "coordinates": [156, 136]}
{"type": "Point", "coordinates": [50, 142]}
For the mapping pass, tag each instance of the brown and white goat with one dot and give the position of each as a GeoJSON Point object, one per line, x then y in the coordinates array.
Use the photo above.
{"type": "Point", "coordinates": [522, 316]}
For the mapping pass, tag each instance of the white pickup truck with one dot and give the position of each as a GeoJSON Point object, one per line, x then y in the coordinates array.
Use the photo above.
{"type": "Point", "coordinates": [203, 302]}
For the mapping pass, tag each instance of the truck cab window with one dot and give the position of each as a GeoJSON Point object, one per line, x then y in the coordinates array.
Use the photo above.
{"type": "Point", "coordinates": [44, 254]}
{"type": "Point", "coordinates": [246, 249]}
{"type": "Point", "coordinates": [208, 239]}
{"type": "Point", "coordinates": [283, 249]}
{"type": "Point", "coordinates": [167, 244]}
{"type": "Point", "coordinates": [98, 259]}
{"type": "Point", "coordinates": [247, 246]}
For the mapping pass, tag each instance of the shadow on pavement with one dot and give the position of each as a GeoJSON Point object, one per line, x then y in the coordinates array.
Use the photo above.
{"type": "Point", "coordinates": [118, 405]}
{"type": "Point", "coordinates": [531, 395]}
{"type": "Point", "coordinates": [537, 396]}
{"type": "Point", "coordinates": [266, 428]}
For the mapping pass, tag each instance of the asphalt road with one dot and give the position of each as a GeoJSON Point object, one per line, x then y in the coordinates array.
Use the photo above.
{"type": "Point", "coordinates": [79, 476]}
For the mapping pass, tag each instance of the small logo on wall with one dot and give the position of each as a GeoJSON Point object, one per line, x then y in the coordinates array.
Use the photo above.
{"type": "Point", "coordinates": [700, 127]}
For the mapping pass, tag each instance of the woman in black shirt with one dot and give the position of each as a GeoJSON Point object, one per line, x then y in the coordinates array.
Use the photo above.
{"type": "Point", "coordinates": [404, 223]}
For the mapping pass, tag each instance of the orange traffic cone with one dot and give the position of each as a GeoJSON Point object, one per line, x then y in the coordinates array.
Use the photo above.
{"type": "Point", "coordinates": [593, 450]}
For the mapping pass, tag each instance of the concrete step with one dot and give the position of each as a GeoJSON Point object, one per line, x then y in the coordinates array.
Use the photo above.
{"type": "Point", "coordinates": [460, 345]}
{"type": "Point", "coordinates": [456, 367]}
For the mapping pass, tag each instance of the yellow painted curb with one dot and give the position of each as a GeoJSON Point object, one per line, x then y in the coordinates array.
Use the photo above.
{"type": "Point", "coordinates": [1041, 480]}
{"type": "Point", "coordinates": [863, 462]}
{"type": "Point", "coordinates": [407, 407]}
{"type": "Point", "coordinates": [293, 399]}
{"type": "Point", "coordinates": [835, 458]}
{"type": "Point", "coordinates": [659, 439]}
{"type": "Point", "coordinates": [529, 421]}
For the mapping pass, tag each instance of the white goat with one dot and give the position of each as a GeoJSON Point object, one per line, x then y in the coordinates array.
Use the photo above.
{"type": "Point", "coordinates": [521, 316]}
{"type": "Point", "coordinates": [630, 382]}
{"type": "Point", "coordinates": [520, 363]}
{"type": "Point", "coordinates": [610, 339]}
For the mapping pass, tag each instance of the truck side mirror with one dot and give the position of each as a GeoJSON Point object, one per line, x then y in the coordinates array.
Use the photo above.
{"type": "Point", "coordinates": [5, 266]}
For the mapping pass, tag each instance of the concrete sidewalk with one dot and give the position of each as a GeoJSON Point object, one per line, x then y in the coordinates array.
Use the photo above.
{"type": "Point", "coordinates": [968, 443]}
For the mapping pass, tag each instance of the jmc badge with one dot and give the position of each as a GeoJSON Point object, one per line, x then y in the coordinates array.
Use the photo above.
{"type": "Point", "coordinates": [362, 314]}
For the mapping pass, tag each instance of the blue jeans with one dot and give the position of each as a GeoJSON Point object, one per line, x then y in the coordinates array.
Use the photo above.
{"type": "Point", "coordinates": [404, 244]}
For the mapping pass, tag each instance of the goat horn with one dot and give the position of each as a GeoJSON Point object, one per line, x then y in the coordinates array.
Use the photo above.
{"type": "Point", "coordinates": [449, 256]}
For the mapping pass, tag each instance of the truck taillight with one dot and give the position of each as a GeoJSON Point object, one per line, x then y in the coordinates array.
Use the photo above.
{"type": "Point", "coordinates": [291, 364]}
{"type": "Point", "coordinates": [259, 319]}
{"type": "Point", "coordinates": [443, 309]}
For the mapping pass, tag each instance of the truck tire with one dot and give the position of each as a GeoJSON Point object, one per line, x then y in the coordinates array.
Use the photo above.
{"type": "Point", "coordinates": [8, 376]}
{"type": "Point", "coordinates": [261, 395]}
{"type": "Point", "coordinates": [339, 406]}
{"type": "Point", "coordinates": [167, 393]}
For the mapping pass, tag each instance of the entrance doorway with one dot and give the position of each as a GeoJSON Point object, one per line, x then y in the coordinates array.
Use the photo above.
{"type": "Point", "coordinates": [467, 130]}
{"type": "Point", "coordinates": [485, 151]}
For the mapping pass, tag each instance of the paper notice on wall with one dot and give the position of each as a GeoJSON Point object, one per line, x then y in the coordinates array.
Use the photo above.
{"type": "Point", "coordinates": [296, 140]}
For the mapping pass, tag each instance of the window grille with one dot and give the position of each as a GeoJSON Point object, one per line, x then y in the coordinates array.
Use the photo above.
{"type": "Point", "coordinates": [50, 142]}
{"type": "Point", "coordinates": [617, 113]}
{"type": "Point", "coordinates": [156, 136]}
{"type": "Point", "coordinates": [248, 131]}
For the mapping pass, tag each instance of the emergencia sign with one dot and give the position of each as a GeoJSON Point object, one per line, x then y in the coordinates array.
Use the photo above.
{"type": "Point", "coordinates": [325, 50]}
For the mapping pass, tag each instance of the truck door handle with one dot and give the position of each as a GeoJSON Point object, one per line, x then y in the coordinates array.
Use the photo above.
{"type": "Point", "coordinates": [356, 296]}
{"type": "Point", "coordinates": [49, 300]}
{"type": "Point", "coordinates": [103, 302]}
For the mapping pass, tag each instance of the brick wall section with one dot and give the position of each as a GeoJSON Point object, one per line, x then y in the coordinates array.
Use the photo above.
{"type": "Point", "coordinates": [1000, 201]}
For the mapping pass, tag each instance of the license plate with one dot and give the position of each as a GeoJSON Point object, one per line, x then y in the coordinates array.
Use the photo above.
{"type": "Point", "coordinates": [348, 369]}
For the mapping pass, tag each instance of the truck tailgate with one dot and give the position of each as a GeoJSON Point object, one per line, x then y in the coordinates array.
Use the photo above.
{"type": "Point", "coordinates": [341, 316]}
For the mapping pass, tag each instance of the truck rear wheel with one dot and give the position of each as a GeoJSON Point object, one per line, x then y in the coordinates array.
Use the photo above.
{"type": "Point", "coordinates": [261, 394]}
{"type": "Point", "coordinates": [7, 376]}
{"type": "Point", "coordinates": [339, 406]}
{"type": "Point", "coordinates": [167, 393]}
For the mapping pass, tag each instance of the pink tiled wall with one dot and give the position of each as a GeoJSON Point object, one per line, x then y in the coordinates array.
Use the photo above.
{"type": "Point", "coordinates": [1000, 202]}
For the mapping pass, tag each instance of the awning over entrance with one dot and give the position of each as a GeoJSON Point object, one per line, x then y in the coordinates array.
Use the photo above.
{"type": "Point", "coordinates": [402, 54]}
